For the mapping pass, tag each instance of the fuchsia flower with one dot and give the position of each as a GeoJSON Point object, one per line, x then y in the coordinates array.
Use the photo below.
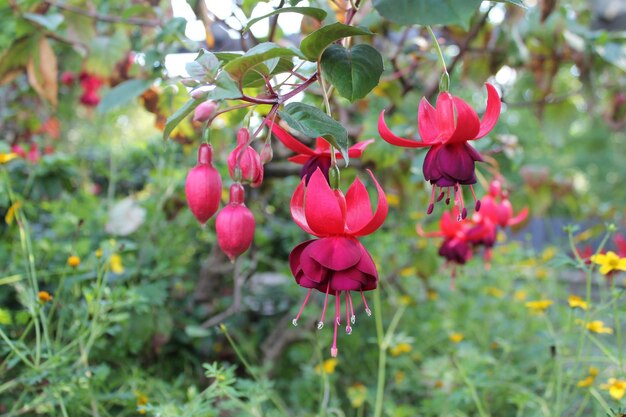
{"type": "Point", "coordinates": [235, 224]}
{"type": "Point", "coordinates": [246, 159]}
{"type": "Point", "coordinates": [456, 245]}
{"type": "Point", "coordinates": [447, 129]}
{"type": "Point", "coordinates": [204, 111]}
{"type": "Point", "coordinates": [336, 262]}
{"type": "Point", "coordinates": [311, 159]}
{"type": "Point", "coordinates": [203, 186]}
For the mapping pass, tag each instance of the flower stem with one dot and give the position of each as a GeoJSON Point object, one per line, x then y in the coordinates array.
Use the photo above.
{"type": "Point", "coordinates": [444, 82]}
{"type": "Point", "coordinates": [382, 355]}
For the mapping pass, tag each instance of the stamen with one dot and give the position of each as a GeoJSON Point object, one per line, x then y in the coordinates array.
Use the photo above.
{"type": "Point", "coordinates": [477, 201]}
{"type": "Point", "coordinates": [448, 198]}
{"type": "Point", "coordinates": [320, 324]}
{"type": "Point", "coordinates": [352, 315]}
{"type": "Point", "coordinates": [333, 349]}
{"type": "Point", "coordinates": [441, 194]}
{"type": "Point", "coordinates": [367, 308]}
{"type": "Point", "coordinates": [348, 328]}
{"type": "Point", "coordinates": [431, 204]}
{"type": "Point", "coordinates": [306, 300]}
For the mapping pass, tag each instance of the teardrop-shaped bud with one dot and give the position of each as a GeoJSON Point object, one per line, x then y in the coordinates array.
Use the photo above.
{"type": "Point", "coordinates": [267, 153]}
{"type": "Point", "coordinates": [203, 187]}
{"type": "Point", "coordinates": [204, 111]}
{"type": "Point", "coordinates": [247, 159]}
{"type": "Point", "coordinates": [235, 225]}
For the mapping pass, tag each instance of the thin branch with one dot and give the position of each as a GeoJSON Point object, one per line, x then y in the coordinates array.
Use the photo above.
{"type": "Point", "coordinates": [105, 18]}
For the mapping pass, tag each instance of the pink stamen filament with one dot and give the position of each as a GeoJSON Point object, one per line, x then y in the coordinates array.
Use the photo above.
{"type": "Point", "coordinates": [306, 300]}
{"type": "Point", "coordinates": [348, 328]}
{"type": "Point", "coordinates": [431, 204]}
{"type": "Point", "coordinates": [352, 315]}
{"type": "Point", "coordinates": [333, 349]}
{"type": "Point", "coordinates": [476, 200]}
{"type": "Point", "coordinates": [448, 198]}
{"type": "Point", "coordinates": [320, 324]}
{"type": "Point", "coordinates": [367, 308]}
{"type": "Point", "coordinates": [441, 194]}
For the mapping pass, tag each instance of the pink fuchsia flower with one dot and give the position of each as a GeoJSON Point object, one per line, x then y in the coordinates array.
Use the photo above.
{"type": "Point", "coordinates": [336, 262]}
{"type": "Point", "coordinates": [447, 129]}
{"type": "Point", "coordinates": [204, 111]}
{"type": "Point", "coordinates": [235, 224]}
{"type": "Point", "coordinates": [456, 246]}
{"type": "Point", "coordinates": [203, 187]}
{"type": "Point", "coordinates": [311, 159]}
{"type": "Point", "coordinates": [246, 159]}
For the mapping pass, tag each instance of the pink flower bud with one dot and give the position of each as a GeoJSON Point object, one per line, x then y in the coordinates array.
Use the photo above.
{"type": "Point", "coordinates": [67, 78]}
{"type": "Point", "coordinates": [247, 160]}
{"type": "Point", "coordinates": [267, 153]}
{"type": "Point", "coordinates": [495, 188]}
{"type": "Point", "coordinates": [204, 111]}
{"type": "Point", "coordinates": [90, 98]}
{"type": "Point", "coordinates": [235, 224]}
{"type": "Point", "coordinates": [203, 186]}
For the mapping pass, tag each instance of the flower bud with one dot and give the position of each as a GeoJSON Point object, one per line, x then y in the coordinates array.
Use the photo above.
{"type": "Point", "coordinates": [203, 186]}
{"type": "Point", "coordinates": [204, 111]}
{"type": "Point", "coordinates": [267, 153]}
{"type": "Point", "coordinates": [247, 160]}
{"type": "Point", "coordinates": [235, 224]}
{"type": "Point", "coordinates": [67, 78]}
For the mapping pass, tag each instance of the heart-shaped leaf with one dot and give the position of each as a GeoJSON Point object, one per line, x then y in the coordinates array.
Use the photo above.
{"type": "Point", "coordinates": [314, 123]}
{"type": "Point", "coordinates": [238, 67]}
{"type": "Point", "coordinates": [354, 72]}
{"type": "Point", "coordinates": [313, 45]}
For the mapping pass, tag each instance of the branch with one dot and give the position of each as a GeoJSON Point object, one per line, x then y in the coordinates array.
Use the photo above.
{"type": "Point", "coordinates": [105, 18]}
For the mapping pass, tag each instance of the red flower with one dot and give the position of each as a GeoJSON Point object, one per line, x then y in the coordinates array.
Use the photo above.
{"type": "Point", "coordinates": [337, 262]}
{"type": "Point", "coordinates": [235, 224]}
{"type": "Point", "coordinates": [620, 243]}
{"type": "Point", "coordinates": [447, 129]}
{"type": "Point", "coordinates": [311, 159]}
{"type": "Point", "coordinates": [246, 159]}
{"type": "Point", "coordinates": [499, 212]}
{"type": "Point", "coordinates": [457, 237]}
{"type": "Point", "coordinates": [203, 186]}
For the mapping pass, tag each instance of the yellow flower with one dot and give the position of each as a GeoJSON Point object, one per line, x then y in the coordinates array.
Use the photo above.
{"type": "Point", "coordinates": [597, 326]}
{"type": "Point", "coordinates": [548, 253]}
{"type": "Point", "coordinates": [408, 272]}
{"type": "Point", "coordinates": [357, 394]}
{"type": "Point", "coordinates": [588, 381]}
{"type": "Point", "coordinates": [432, 295]}
{"type": "Point", "coordinates": [538, 306]}
{"type": "Point", "coordinates": [456, 337]}
{"type": "Point", "coordinates": [73, 261]}
{"type": "Point", "coordinates": [44, 296]}
{"type": "Point", "coordinates": [541, 273]}
{"type": "Point", "coordinates": [115, 262]}
{"type": "Point", "coordinates": [520, 295]}
{"type": "Point", "coordinates": [393, 200]}
{"type": "Point", "coordinates": [575, 301]}
{"type": "Point", "coordinates": [328, 366]}
{"type": "Point", "coordinates": [6, 157]}
{"type": "Point", "coordinates": [99, 253]}
{"type": "Point", "coordinates": [399, 349]}
{"type": "Point", "coordinates": [616, 388]}
{"type": "Point", "coordinates": [609, 262]}
{"type": "Point", "coordinates": [399, 377]}
{"type": "Point", "coordinates": [12, 211]}
{"type": "Point", "coordinates": [406, 300]}
{"type": "Point", "coordinates": [494, 292]}
{"type": "Point", "coordinates": [142, 400]}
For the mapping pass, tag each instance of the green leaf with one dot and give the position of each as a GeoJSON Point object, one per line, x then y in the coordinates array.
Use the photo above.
{"type": "Point", "coordinates": [313, 45]}
{"type": "Point", "coordinates": [314, 123]}
{"type": "Point", "coordinates": [49, 21]}
{"type": "Point", "coordinates": [255, 79]}
{"type": "Point", "coordinates": [428, 12]}
{"type": "Point", "coordinates": [238, 67]}
{"type": "Point", "coordinates": [204, 67]}
{"type": "Point", "coordinates": [354, 72]}
{"type": "Point", "coordinates": [314, 12]}
{"type": "Point", "coordinates": [123, 94]}
{"type": "Point", "coordinates": [178, 116]}
{"type": "Point", "coordinates": [225, 88]}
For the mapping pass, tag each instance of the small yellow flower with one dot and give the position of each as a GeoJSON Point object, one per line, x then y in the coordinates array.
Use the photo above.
{"type": "Point", "coordinates": [408, 272]}
{"type": "Point", "coordinates": [399, 377]}
{"type": "Point", "coordinates": [456, 337]}
{"type": "Point", "coordinates": [357, 394]}
{"type": "Point", "coordinates": [432, 295]}
{"type": "Point", "coordinates": [438, 383]}
{"type": "Point", "coordinates": [406, 300]}
{"type": "Point", "coordinates": [44, 296]}
{"type": "Point", "coordinates": [142, 400]}
{"type": "Point", "coordinates": [11, 212]}
{"type": "Point", "coordinates": [609, 262]}
{"type": "Point", "coordinates": [597, 326]}
{"type": "Point", "coordinates": [588, 381]}
{"type": "Point", "coordinates": [542, 273]}
{"type": "Point", "coordinates": [73, 261]}
{"type": "Point", "coordinates": [494, 292]}
{"type": "Point", "coordinates": [328, 366]}
{"type": "Point", "coordinates": [616, 388]}
{"type": "Point", "coordinates": [393, 200]}
{"type": "Point", "coordinates": [548, 253]}
{"type": "Point", "coordinates": [399, 349]}
{"type": "Point", "coordinates": [6, 157]}
{"type": "Point", "coordinates": [99, 253]}
{"type": "Point", "coordinates": [538, 306]}
{"type": "Point", "coordinates": [115, 262]}
{"type": "Point", "coordinates": [520, 295]}
{"type": "Point", "coordinates": [575, 301]}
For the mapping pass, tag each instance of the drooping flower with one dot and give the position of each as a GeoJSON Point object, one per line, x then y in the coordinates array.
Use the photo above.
{"type": "Point", "coordinates": [247, 159]}
{"type": "Point", "coordinates": [311, 159]}
{"type": "Point", "coordinates": [455, 247]}
{"type": "Point", "coordinates": [336, 262]}
{"type": "Point", "coordinates": [446, 129]}
{"type": "Point", "coordinates": [609, 262]}
{"type": "Point", "coordinates": [203, 187]}
{"type": "Point", "coordinates": [235, 224]}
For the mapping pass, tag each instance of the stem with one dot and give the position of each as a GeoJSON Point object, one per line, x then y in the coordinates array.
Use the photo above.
{"type": "Point", "coordinates": [382, 356]}
{"type": "Point", "coordinates": [471, 388]}
{"type": "Point", "coordinates": [445, 78]}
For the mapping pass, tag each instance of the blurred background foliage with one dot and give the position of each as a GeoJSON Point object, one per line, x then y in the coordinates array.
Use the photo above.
{"type": "Point", "coordinates": [133, 328]}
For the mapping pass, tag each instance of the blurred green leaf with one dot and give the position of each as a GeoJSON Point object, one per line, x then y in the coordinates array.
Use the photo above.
{"type": "Point", "coordinates": [123, 93]}
{"type": "Point", "coordinates": [428, 12]}
{"type": "Point", "coordinates": [178, 116]}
